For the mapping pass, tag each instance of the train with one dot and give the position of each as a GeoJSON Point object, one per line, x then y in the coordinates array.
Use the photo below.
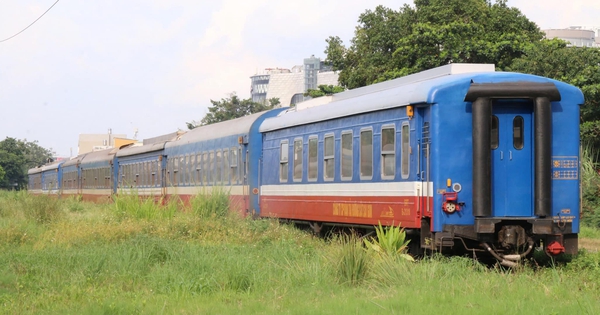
{"type": "Point", "coordinates": [463, 157]}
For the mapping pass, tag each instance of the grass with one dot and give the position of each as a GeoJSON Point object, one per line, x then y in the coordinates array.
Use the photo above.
{"type": "Point", "coordinates": [142, 259]}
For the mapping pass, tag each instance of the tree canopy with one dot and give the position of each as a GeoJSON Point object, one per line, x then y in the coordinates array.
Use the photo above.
{"type": "Point", "coordinates": [16, 158]}
{"type": "Point", "coordinates": [324, 90]}
{"type": "Point", "coordinates": [230, 108]}
{"type": "Point", "coordinates": [574, 65]}
{"type": "Point", "coordinates": [388, 44]}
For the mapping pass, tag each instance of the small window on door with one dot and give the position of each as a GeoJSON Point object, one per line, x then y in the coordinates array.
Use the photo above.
{"type": "Point", "coordinates": [494, 133]}
{"type": "Point", "coordinates": [518, 123]}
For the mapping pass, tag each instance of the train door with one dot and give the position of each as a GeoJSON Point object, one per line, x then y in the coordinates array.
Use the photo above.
{"type": "Point", "coordinates": [244, 157]}
{"type": "Point", "coordinates": [512, 158]}
{"type": "Point", "coordinates": [423, 162]}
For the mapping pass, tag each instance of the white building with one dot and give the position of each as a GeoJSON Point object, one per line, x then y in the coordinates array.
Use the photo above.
{"type": "Point", "coordinates": [289, 85]}
{"type": "Point", "coordinates": [577, 36]}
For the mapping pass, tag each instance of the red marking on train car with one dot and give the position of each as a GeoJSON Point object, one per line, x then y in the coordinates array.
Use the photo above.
{"type": "Point", "coordinates": [349, 210]}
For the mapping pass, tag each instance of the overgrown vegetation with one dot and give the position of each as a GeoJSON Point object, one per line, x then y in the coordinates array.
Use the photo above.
{"type": "Point", "coordinates": [590, 187]}
{"type": "Point", "coordinates": [133, 256]}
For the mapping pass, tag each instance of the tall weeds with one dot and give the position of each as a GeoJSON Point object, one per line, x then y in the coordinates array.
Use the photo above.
{"type": "Point", "coordinates": [351, 262]}
{"type": "Point", "coordinates": [590, 186]}
{"type": "Point", "coordinates": [133, 206]}
{"type": "Point", "coordinates": [211, 205]}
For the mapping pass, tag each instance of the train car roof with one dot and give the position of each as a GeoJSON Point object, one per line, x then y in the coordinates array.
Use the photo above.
{"type": "Point", "coordinates": [34, 170]}
{"type": "Point", "coordinates": [74, 160]}
{"type": "Point", "coordinates": [223, 129]}
{"type": "Point", "coordinates": [51, 166]}
{"type": "Point", "coordinates": [400, 92]}
{"type": "Point", "coordinates": [135, 150]}
{"type": "Point", "coordinates": [99, 156]}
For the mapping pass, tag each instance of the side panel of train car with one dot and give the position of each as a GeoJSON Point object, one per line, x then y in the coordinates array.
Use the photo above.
{"type": "Point", "coordinates": [477, 158]}
{"type": "Point", "coordinates": [98, 175]}
{"type": "Point", "coordinates": [356, 170]}
{"type": "Point", "coordinates": [218, 156]}
{"type": "Point", "coordinates": [141, 170]}
{"type": "Point", "coordinates": [51, 178]}
{"type": "Point", "coordinates": [34, 182]}
{"type": "Point", "coordinates": [71, 183]}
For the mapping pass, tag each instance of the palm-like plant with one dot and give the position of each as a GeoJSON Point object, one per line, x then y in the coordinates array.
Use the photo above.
{"type": "Point", "coordinates": [390, 241]}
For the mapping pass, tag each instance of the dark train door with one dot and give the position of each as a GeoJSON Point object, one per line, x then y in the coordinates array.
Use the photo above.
{"type": "Point", "coordinates": [512, 158]}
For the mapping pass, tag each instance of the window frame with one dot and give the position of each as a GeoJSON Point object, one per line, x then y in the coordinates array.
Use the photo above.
{"type": "Point", "coordinates": [329, 157]}
{"type": "Point", "coordinates": [298, 158]}
{"type": "Point", "coordinates": [314, 167]}
{"type": "Point", "coordinates": [284, 161]}
{"type": "Point", "coordinates": [385, 153]}
{"type": "Point", "coordinates": [360, 156]}
{"type": "Point", "coordinates": [351, 164]}
{"type": "Point", "coordinates": [405, 154]}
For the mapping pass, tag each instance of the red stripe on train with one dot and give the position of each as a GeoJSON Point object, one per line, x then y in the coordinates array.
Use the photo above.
{"type": "Point", "coordinates": [405, 211]}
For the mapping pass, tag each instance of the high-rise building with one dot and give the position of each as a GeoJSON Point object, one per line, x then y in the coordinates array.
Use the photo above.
{"type": "Point", "coordinates": [289, 85]}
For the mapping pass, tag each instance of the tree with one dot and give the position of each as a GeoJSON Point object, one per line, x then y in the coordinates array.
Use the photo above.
{"type": "Point", "coordinates": [324, 90]}
{"type": "Point", "coordinates": [230, 108]}
{"type": "Point", "coordinates": [389, 44]}
{"type": "Point", "coordinates": [16, 158]}
{"type": "Point", "coordinates": [574, 65]}
{"type": "Point", "coordinates": [2, 174]}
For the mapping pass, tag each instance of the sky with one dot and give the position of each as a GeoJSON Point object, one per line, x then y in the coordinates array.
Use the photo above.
{"type": "Point", "coordinates": [152, 65]}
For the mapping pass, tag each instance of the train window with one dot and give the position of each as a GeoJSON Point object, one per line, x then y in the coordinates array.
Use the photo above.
{"type": "Point", "coordinates": [198, 169]}
{"type": "Point", "coordinates": [366, 154]}
{"type": "Point", "coordinates": [405, 149]}
{"type": "Point", "coordinates": [211, 167]}
{"type": "Point", "coordinates": [312, 158]}
{"type": "Point", "coordinates": [234, 165]}
{"type": "Point", "coordinates": [283, 161]}
{"type": "Point", "coordinates": [346, 155]}
{"type": "Point", "coordinates": [494, 133]}
{"type": "Point", "coordinates": [176, 171]}
{"type": "Point", "coordinates": [218, 168]}
{"type": "Point", "coordinates": [328, 157]}
{"type": "Point", "coordinates": [205, 168]}
{"type": "Point", "coordinates": [226, 168]}
{"type": "Point", "coordinates": [185, 176]}
{"type": "Point", "coordinates": [297, 160]}
{"type": "Point", "coordinates": [518, 123]}
{"type": "Point", "coordinates": [388, 152]}
{"type": "Point", "coordinates": [182, 170]}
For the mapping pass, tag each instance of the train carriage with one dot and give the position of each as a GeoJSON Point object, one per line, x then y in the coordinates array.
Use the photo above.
{"type": "Point", "coordinates": [224, 155]}
{"type": "Point", "coordinates": [51, 177]}
{"type": "Point", "coordinates": [34, 182]}
{"type": "Point", "coordinates": [461, 156]}
{"type": "Point", "coordinates": [98, 175]}
{"type": "Point", "coordinates": [141, 170]}
{"type": "Point", "coordinates": [71, 177]}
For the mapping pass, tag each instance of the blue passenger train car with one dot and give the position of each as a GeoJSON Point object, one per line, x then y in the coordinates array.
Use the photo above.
{"type": "Point", "coordinates": [98, 175]}
{"type": "Point", "coordinates": [224, 155]}
{"type": "Point", "coordinates": [461, 156]}
{"type": "Point", "coordinates": [141, 170]}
